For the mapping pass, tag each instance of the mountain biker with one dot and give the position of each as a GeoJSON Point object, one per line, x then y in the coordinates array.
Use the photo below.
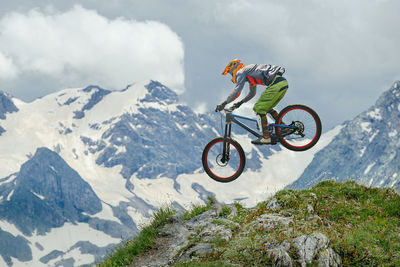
{"type": "Point", "coordinates": [257, 74]}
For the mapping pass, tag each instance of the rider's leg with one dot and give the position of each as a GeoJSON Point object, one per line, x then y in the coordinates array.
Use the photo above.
{"type": "Point", "coordinates": [267, 101]}
{"type": "Point", "coordinates": [264, 125]}
{"type": "Point", "coordinates": [274, 114]}
{"type": "Point", "coordinates": [266, 138]}
{"type": "Point", "coordinates": [271, 96]}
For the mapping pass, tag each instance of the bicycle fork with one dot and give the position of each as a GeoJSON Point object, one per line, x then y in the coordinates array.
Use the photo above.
{"type": "Point", "coordinates": [226, 146]}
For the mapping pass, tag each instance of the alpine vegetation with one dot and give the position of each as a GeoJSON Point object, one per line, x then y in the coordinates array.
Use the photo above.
{"type": "Point", "coordinates": [332, 224]}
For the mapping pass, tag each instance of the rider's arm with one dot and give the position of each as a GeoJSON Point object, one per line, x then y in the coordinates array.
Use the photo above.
{"type": "Point", "coordinates": [251, 94]}
{"type": "Point", "coordinates": [241, 80]}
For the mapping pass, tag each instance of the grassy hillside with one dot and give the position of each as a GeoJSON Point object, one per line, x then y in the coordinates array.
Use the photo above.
{"type": "Point", "coordinates": [331, 224]}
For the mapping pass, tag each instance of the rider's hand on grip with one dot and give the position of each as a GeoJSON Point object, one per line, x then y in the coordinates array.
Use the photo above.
{"type": "Point", "coordinates": [235, 106]}
{"type": "Point", "coordinates": [220, 106]}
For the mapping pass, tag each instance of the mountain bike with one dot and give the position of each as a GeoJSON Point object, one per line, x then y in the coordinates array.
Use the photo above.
{"type": "Point", "coordinates": [297, 128]}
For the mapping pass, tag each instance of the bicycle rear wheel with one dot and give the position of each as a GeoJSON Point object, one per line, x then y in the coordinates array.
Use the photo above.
{"type": "Point", "coordinates": [220, 168]}
{"type": "Point", "coordinates": [308, 127]}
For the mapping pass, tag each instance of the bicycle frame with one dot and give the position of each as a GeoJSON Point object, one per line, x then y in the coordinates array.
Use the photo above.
{"type": "Point", "coordinates": [228, 129]}
{"type": "Point", "coordinates": [232, 118]}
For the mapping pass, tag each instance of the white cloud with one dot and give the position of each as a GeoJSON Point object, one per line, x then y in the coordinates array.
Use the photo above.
{"type": "Point", "coordinates": [81, 47]}
{"type": "Point", "coordinates": [7, 68]}
{"type": "Point", "coordinates": [328, 40]}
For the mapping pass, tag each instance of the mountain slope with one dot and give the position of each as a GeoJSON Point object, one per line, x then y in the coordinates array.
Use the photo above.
{"type": "Point", "coordinates": [366, 149]}
{"type": "Point", "coordinates": [47, 193]}
{"type": "Point", "coordinates": [6, 106]}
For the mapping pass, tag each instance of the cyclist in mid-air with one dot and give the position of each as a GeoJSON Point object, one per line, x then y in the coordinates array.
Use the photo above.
{"type": "Point", "coordinates": [262, 74]}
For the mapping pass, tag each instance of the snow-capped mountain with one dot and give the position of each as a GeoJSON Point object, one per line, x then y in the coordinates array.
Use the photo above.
{"type": "Point", "coordinates": [367, 149]}
{"type": "Point", "coordinates": [83, 169]}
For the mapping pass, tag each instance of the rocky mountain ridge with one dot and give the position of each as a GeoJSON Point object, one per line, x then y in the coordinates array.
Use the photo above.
{"type": "Point", "coordinates": [331, 224]}
{"type": "Point", "coordinates": [366, 150]}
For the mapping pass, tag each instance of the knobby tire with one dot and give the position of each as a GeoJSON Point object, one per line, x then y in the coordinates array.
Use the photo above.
{"type": "Point", "coordinates": [313, 120]}
{"type": "Point", "coordinates": [208, 158]}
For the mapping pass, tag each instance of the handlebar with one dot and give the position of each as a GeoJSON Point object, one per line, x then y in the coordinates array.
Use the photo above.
{"type": "Point", "coordinates": [227, 110]}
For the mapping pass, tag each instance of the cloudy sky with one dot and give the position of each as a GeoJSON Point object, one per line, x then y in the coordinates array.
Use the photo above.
{"type": "Point", "coordinates": [339, 55]}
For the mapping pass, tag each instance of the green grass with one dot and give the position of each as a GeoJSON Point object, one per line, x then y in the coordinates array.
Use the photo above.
{"type": "Point", "coordinates": [144, 241]}
{"type": "Point", "coordinates": [363, 225]}
{"type": "Point", "coordinates": [197, 210]}
{"type": "Point", "coordinates": [225, 211]}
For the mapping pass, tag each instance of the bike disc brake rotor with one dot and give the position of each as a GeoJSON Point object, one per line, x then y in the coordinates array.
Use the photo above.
{"type": "Point", "coordinates": [218, 160]}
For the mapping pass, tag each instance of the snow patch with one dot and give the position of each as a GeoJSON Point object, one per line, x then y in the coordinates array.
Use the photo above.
{"type": "Point", "coordinates": [369, 168]}
{"type": "Point", "coordinates": [370, 182]}
{"type": "Point", "coordinates": [373, 136]}
{"type": "Point", "coordinates": [106, 213]}
{"type": "Point", "coordinates": [362, 151]}
{"type": "Point", "coordinates": [145, 188]}
{"type": "Point", "coordinates": [10, 195]}
{"type": "Point", "coordinates": [216, 132]}
{"type": "Point", "coordinates": [9, 179]}
{"type": "Point", "coordinates": [198, 126]}
{"type": "Point", "coordinates": [37, 195]}
{"type": "Point", "coordinates": [2, 262]}
{"type": "Point", "coordinates": [393, 133]}
{"type": "Point", "coordinates": [63, 238]}
{"type": "Point", "coordinates": [138, 217]}
{"type": "Point", "coordinates": [120, 150]}
{"type": "Point", "coordinates": [79, 257]}
{"type": "Point", "coordinates": [366, 126]}
{"type": "Point", "coordinates": [179, 126]}
{"type": "Point", "coordinates": [375, 114]}
{"type": "Point", "coordinates": [8, 227]}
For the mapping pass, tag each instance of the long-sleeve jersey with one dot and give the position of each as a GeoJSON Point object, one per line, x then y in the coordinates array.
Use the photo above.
{"type": "Point", "coordinates": [263, 74]}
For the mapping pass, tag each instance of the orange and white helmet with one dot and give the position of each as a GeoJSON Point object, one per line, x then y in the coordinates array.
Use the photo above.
{"type": "Point", "coordinates": [232, 68]}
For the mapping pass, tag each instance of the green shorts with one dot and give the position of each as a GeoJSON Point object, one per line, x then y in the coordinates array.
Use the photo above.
{"type": "Point", "coordinates": [271, 96]}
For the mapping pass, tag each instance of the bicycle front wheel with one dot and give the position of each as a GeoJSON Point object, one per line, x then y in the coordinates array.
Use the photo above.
{"type": "Point", "coordinates": [223, 167]}
{"type": "Point", "coordinates": [308, 127]}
